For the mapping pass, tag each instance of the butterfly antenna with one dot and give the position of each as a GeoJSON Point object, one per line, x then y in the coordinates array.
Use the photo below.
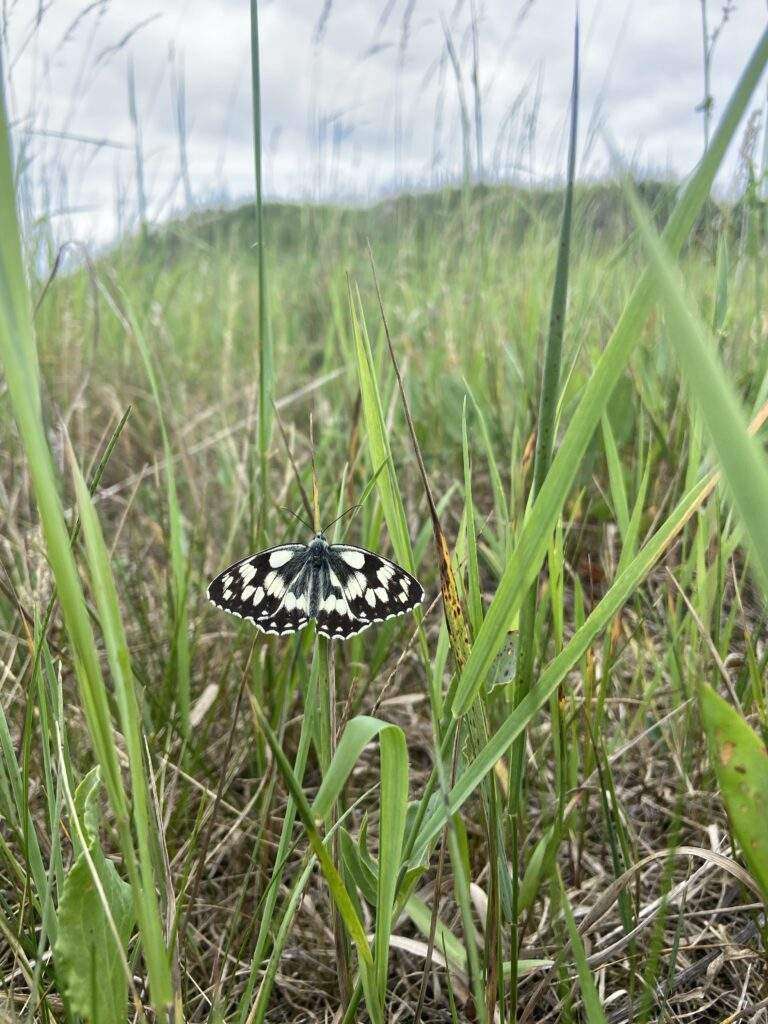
{"type": "Point", "coordinates": [296, 516]}
{"type": "Point", "coordinates": [344, 513]}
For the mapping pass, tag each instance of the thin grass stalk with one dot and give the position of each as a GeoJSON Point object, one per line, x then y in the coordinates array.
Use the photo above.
{"type": "Point", "coordinates": [548, 402]}
{"type": "Point", "coordinates": [266, 355]}
{"type": "Point", "coordinates": [286, 838]}
{"type": "Point", "coordinates": [138, 149]}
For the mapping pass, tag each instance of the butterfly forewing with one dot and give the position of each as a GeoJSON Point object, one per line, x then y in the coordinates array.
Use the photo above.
{"type": "Point", "coordinates": [266, 589]}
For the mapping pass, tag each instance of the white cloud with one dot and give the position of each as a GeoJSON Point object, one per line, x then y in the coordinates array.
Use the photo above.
{"type": "Point", "coordinates": [355, 113]}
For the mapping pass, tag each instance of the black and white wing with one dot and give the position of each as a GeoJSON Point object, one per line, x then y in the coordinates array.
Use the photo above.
{"type": "Point", "coordinates": [365, 588]}
{"type": "Point", "coordinates": [266, 588]}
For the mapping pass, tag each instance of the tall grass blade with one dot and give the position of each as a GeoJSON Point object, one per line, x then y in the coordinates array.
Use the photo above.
{"type": "Point", "coordinates": [121, 672]}
{"type": "Point", "coordinates": [19, 358]}
{"type": "Point", "coordinates": [523, 564]}
{"type": "Point", "coordinates": [745, 469]}
{"type": "Point", "coordinates": [266, 353]}
{"type": "Point", "coordinates": [592, 1008]}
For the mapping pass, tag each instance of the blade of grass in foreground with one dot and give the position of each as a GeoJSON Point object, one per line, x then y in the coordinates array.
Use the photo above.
{"type": "Point", "coordinates": [105, 595]}
{"type": "Point", "coordinates": [545, 432]}
{"type": "Point", "coordinates": [745, 468]}
{"type": "Point", "coordinates": [378, 441]}
{"type": "Point", "coordinates": [592, 1007]}
{"type": "Point", "coordinates": [19, 357]}
{"type": "Point", "coordinates": [527, 556]}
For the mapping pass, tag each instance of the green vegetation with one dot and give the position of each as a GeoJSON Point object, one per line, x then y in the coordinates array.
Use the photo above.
{"type": "Point", "coordinates": [539, 797]}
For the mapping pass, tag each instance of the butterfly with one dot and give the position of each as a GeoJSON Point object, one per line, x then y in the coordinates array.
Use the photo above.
{"type": "Point", "coordinates": [345, 589]}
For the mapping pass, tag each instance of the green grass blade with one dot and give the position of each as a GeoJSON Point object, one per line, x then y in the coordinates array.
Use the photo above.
{"type": "Point", "coordinates": [394, 804]}
{"type": "Point", "coordinates": [745, 468]}
{"type": "Point", "coordinates": [308, 816]}
{"type": "Point", "coordinates": [592, 1008]}
{"type": "Point", "coordinates": [180, 661]}
{"type": "Point", "coordinates": [118, 657]}
{"type": "Point", "coordinates": [525, 560]}
{"type": "Point", "coordinates": [379, 450]}
{"type": "Point", "coordinates": [558, 668]}
{"type": "Point", "coordinates": [474, 602]}
{"type": "Point", "coordinates": [266, 353]}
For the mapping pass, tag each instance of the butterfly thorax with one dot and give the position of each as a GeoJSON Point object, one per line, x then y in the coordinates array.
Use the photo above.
{"type": "Point", "coordinates": [318, 551]}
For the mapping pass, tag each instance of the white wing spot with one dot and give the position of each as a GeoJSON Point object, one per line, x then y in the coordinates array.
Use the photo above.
{"type": "Point", "coordinates": [227, 594]}
{"type": "Point", "coordinates": [290, 602]}
{"type": "Point", "coordinates": [355, 559]}
{"type": "Point", "coordinates": [274, 584]}
{"type": "Point", "coordinates": [278, 558]}
{"type": "Point", "coordinates": [381, 594]}
{"type": "Point", "coordinates": [247, 571]}
{"type": "Point", "coordinates": [385, 574]}
{"type": "Point", "coordinates": [258, 597]}
{"type": "Point", "coordinates": [341, 606]}
{"type": "Point", "coordinates": [370, 597]}
{"type": "Point", "coordinates": [247, 591]}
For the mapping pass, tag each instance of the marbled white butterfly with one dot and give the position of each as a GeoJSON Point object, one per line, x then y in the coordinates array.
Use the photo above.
{"type": "Point", "coordinates": [344, 588]}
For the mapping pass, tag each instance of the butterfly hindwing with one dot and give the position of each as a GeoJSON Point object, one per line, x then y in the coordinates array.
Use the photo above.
{"type": "Point", "coordinates": [265, 588]}
{"type": "Point", "coordinates": [373, 588]}
{"type": "Point", "coordinates": [333, 615]}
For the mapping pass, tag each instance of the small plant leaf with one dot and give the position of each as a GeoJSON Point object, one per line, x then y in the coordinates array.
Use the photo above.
{"type": "Point", "coordinates": [89, 961]}
{"type": "Point", "coordinates": [740, 761]}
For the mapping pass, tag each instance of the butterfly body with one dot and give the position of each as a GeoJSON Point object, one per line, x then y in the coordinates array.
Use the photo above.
{"type": "Point", "coordinates": [343, 588]}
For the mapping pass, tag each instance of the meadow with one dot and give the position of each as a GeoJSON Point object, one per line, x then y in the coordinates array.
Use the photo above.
{"type": "Point", "coordinates": [544, 796]}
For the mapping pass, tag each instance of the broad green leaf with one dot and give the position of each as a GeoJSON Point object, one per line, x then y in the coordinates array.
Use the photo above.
{"type": "Point", "coordinates": [741, 765]}
{"type": "Point", "coordinates": [89, 961]}
{"type": "Point", "coordinates": [394, 801]}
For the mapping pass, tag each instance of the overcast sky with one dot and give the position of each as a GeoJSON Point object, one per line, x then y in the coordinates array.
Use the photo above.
{"type": "Point", "coordinates": [359, 96]}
